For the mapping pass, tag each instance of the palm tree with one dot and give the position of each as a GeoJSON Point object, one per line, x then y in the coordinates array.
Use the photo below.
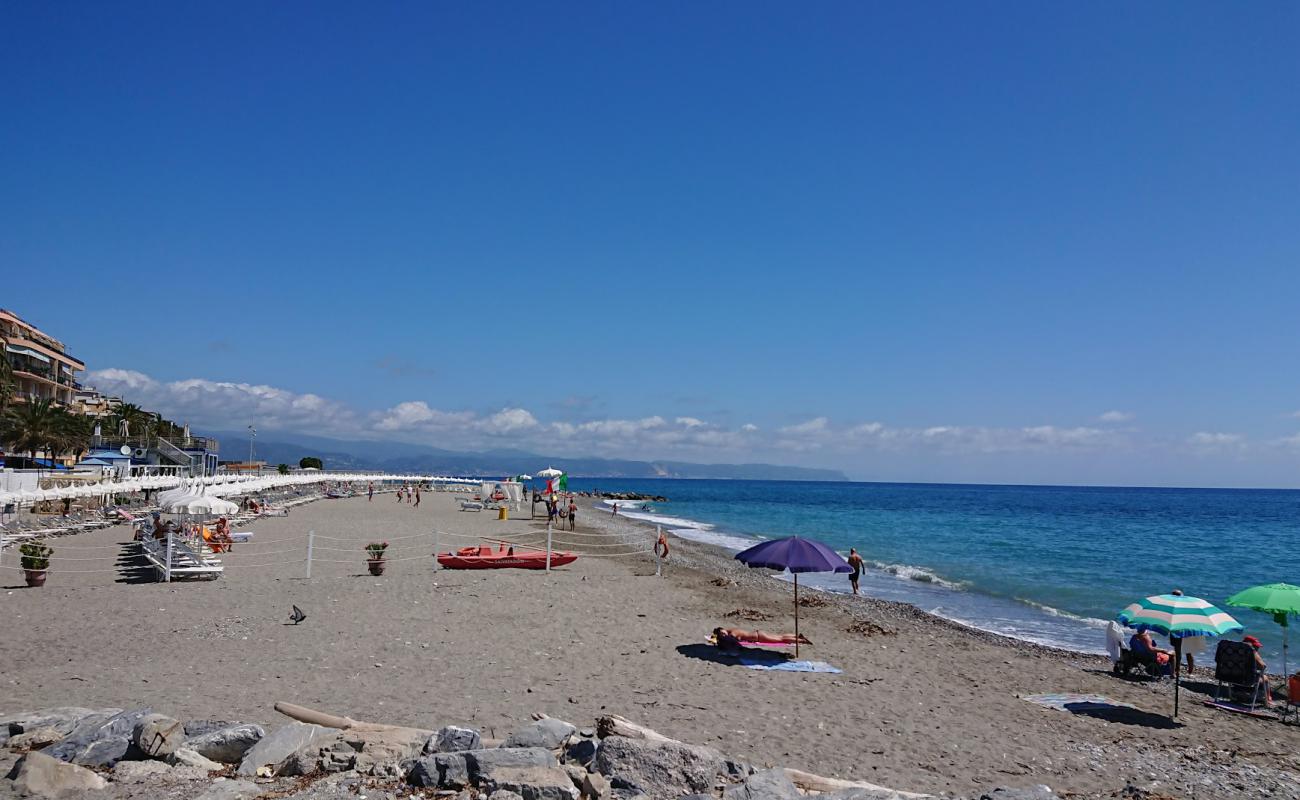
{"type": "Point", "coordinates": [33, 426]}
{"type": "Point", "coordinates": [283, 469]}
{"type": "Point", "coordinates": [73, 433]}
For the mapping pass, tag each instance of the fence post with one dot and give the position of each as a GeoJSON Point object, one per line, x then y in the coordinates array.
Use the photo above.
{"type": "Point", "coordinates": [548, 546]}
{"type": "Point", "coordinates": [435, 549]}
{"type": "Point", "coordinates": [170, 534]}
{"type": "Point", "coordinates": [311, 539]}
{"type": "Point", "coordinates": [659, 562]}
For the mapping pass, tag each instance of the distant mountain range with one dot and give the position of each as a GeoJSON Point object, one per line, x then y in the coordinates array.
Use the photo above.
{"type": "Point", "coordinates": [288, 448]}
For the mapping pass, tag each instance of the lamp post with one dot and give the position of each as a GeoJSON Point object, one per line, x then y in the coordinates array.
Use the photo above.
{"type": "Point", "coordinates": [252, 434]}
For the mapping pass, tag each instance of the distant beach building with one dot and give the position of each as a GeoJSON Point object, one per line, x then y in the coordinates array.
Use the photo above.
{"type": "Point", "coordinates": [43, 368]}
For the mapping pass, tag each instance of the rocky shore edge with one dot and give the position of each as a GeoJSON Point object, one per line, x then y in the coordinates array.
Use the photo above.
{"type": "Point", "coordinates": [126, 754]}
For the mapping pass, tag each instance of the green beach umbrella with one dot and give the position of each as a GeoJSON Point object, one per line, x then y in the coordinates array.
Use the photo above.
{"type": "Point", "coordinates": [1282, 600]}
{"type": "Point", "coordinates": [1177, 616]}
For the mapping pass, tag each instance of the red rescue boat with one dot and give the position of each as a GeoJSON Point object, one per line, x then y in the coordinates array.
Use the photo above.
{"type": "Point", "coordinates": [484, 557]}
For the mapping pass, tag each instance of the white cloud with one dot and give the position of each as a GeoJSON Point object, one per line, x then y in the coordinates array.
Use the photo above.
{"type": "Point", "coordinates": [1117, 416]}
{"type": "Point", "coordinates": [749, 427]}
{"type": "Point", "coordinates": [1210, 439]}
{"type": "Point", "coordinates": [226, 404]}
{"type": "Point", "coordinates": [508, 420]}
{"type": "Point", "coordinates": [690, 422]}
{"type": "Point", "coordinates": [815, 425]}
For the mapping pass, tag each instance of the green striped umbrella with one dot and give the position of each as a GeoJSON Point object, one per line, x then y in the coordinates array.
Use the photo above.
{"type": "Point", "coordinates": [1279, 599]}
{"type": "Point", "coordinates": [1177, 616]}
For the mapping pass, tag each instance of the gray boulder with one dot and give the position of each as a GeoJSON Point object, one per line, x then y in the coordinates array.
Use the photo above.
{"type": "Point", "coordinates": [185, 757]}
{"type": "Point", "coordinates": [368, 752]}
{"type": "Point", "coordinates": [548, 733]}
{"type": "Point", "coordinates": [64, 718]}
{"type": "Point", "coordinates": [659, 769]}
{"type": "Point", "coordinates": [199, 727]}
{"type": "Point", "coordinates": [227, 745]}
{"type": "Point", "coordinates": [158, 736]}
{"type": "Point", "coordinates": [39, 775]}
{"type": "Point", "coordinates": [581, 751]}
{"type": "Point", "coordinates": [452, 739]}
{"type": "Point", "coordinates": [440, 771]}
{"type": "Point", "coordinates": [1039, 792]}
{"type": "Point", "coordinates": [769, 784]}
{"type": "Point", "coordinates": [531, 783]}
{"type": "Point", "coordinates": [595, 787]}
{"type": "Point", "coordinates": [138, 771]}
{"type": "Point", "coordinates": [36, 738]}
{"type": "Point", "coordinates": [273, 749]}
{"type": "Point", "coordinates": [505, 794]}
{"type": "Point", "coordinates": [97, 741]}
{"type": "Point", "coordinates": [223, 789]}
{"type": "Point", "coordinates": [482, 762]}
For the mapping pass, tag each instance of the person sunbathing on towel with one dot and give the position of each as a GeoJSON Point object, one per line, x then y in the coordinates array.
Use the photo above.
{"type": "Point", "coordinates": [736, 637]}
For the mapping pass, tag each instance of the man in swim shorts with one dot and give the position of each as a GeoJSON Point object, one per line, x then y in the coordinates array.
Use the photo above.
{"type": "Point", "coordinates": [855, 561]}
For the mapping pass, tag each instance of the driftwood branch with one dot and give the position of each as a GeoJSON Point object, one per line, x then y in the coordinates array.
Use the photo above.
{"type": "Point", "coordinates": [614, 725]}
{"type": "Point", "coordinates": [314, 717]}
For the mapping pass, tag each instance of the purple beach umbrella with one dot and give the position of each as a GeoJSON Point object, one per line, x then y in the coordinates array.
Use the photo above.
{"type": "Point", "coordinates": [797, 555]}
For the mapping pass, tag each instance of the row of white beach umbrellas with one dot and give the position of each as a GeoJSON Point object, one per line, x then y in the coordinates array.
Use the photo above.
{"type": "Point", "coordinates": [213, 486]}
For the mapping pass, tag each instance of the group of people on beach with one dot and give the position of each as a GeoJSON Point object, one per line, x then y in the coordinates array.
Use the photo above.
{"type": "Point", "coordinates": [409, 495]}
{"type": "Point", "coordinates": [557, 511]}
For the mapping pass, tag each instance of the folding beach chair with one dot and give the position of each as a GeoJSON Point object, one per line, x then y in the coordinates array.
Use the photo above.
{"type": "Point", "coordinates": [1235, 670]}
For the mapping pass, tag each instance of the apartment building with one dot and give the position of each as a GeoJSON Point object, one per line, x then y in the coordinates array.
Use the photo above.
{"type": "Point", "coordinates": [42, 366]}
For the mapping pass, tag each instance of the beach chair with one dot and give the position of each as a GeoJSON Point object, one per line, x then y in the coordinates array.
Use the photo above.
{"type": "Point", "coordinates": [1291, 710]}
{"type": "Point", "coordinates": [1124, 660]}
{"type": "Point", "coordinates": [1235, 671]}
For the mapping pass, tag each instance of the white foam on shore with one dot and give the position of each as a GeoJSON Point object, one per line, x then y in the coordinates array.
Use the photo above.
{"type": "Point", "coordinates": [907, 574]}
{"type": "Point", "coordinates": [918, 574]}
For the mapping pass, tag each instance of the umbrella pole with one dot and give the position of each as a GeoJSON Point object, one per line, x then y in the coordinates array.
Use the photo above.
{"type": "Point", "coordinates": [796, 614]}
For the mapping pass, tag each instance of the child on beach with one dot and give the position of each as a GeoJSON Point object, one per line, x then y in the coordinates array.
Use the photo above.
{"type": "Point", "coordinates": [573, 514]}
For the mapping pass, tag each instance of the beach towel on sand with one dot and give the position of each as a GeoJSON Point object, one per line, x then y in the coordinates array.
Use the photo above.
{"type": "Point", "coordinates": [1076, 703]}
{"type": "Point", "coordinates": [788, 666]}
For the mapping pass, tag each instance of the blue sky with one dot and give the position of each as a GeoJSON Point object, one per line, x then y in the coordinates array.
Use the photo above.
{"type": "Point", "coordinates": [913, 241]}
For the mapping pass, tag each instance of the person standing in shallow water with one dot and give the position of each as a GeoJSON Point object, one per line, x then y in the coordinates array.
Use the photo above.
{"type": "Point", "coordinates": [855, 561]}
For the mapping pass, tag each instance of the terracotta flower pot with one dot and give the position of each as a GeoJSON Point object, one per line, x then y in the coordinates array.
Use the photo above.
{"type": "Point", "coordinates": [376, 566]}
{"type": "Point", "coordinates": [35, 577]}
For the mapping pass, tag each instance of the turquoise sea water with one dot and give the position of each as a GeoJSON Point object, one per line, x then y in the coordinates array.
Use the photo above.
{"type": "Point", "coordinates": [1044, 563]}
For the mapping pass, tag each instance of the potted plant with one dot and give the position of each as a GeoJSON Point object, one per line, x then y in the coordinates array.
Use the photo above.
{"type": "Point", "coordinates": [375, 557]}
{"type": "Point", "coordinates": [35, 561]}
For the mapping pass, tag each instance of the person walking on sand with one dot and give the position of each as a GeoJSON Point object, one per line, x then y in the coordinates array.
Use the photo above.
{"type": "Point", "coordinates": [370, 492]}
{"type": "Point", "coordinates": [1189, 646]}
{"type": "Point", "coordinates": [417, 495]}
{"type": "Point", "coordinates": [855, 561]}
{"type": "Point", "coordinates": [399, 494]}
{"type": "Point", "coordinates": [573, 514]}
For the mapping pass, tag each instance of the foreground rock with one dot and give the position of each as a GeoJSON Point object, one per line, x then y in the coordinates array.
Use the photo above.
{"type": "Point", "coordinates": [530, 783]}
{"type": "Point", "coordinates": [475, 767]}
{"type": "Point", "coordinates": [226, 744]}
{"type": "Point", "coordinates": [378, 753]}
{"type": "Point", "coordinates": [39, 775]}
{"type": "Point", "coordinates": [546, 733]}
{"type": "Point", "coordinates": [770, 784]}
{"type": "Point", "coordinates": [158, 736]}
{"type": "Point", "coordinates": [659, 769]}
{"type": "Point", "coordinates": [62, 719]}
{"type": "Point", "coordinates": [274, 749]}
{"type": "Point", "coordinates": [452, 739]}
{"type": "Point", "coordinates": [98, 741]}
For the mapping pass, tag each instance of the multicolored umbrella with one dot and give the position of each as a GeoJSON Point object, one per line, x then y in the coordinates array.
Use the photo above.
{"type": "Point", "coordinates": [1282, 600]}
{"type": "Point", "coordinates": [797, 555]}
{"type": "Point", "coordinates": [1178, 617]}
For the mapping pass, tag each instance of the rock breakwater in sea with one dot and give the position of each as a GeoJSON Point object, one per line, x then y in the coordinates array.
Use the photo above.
{"type": "Point", "coordinates": [121, 754]}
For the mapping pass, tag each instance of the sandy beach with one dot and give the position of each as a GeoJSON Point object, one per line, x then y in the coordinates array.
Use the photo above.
{"type": "Point", "coordinates": [921, 705]}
